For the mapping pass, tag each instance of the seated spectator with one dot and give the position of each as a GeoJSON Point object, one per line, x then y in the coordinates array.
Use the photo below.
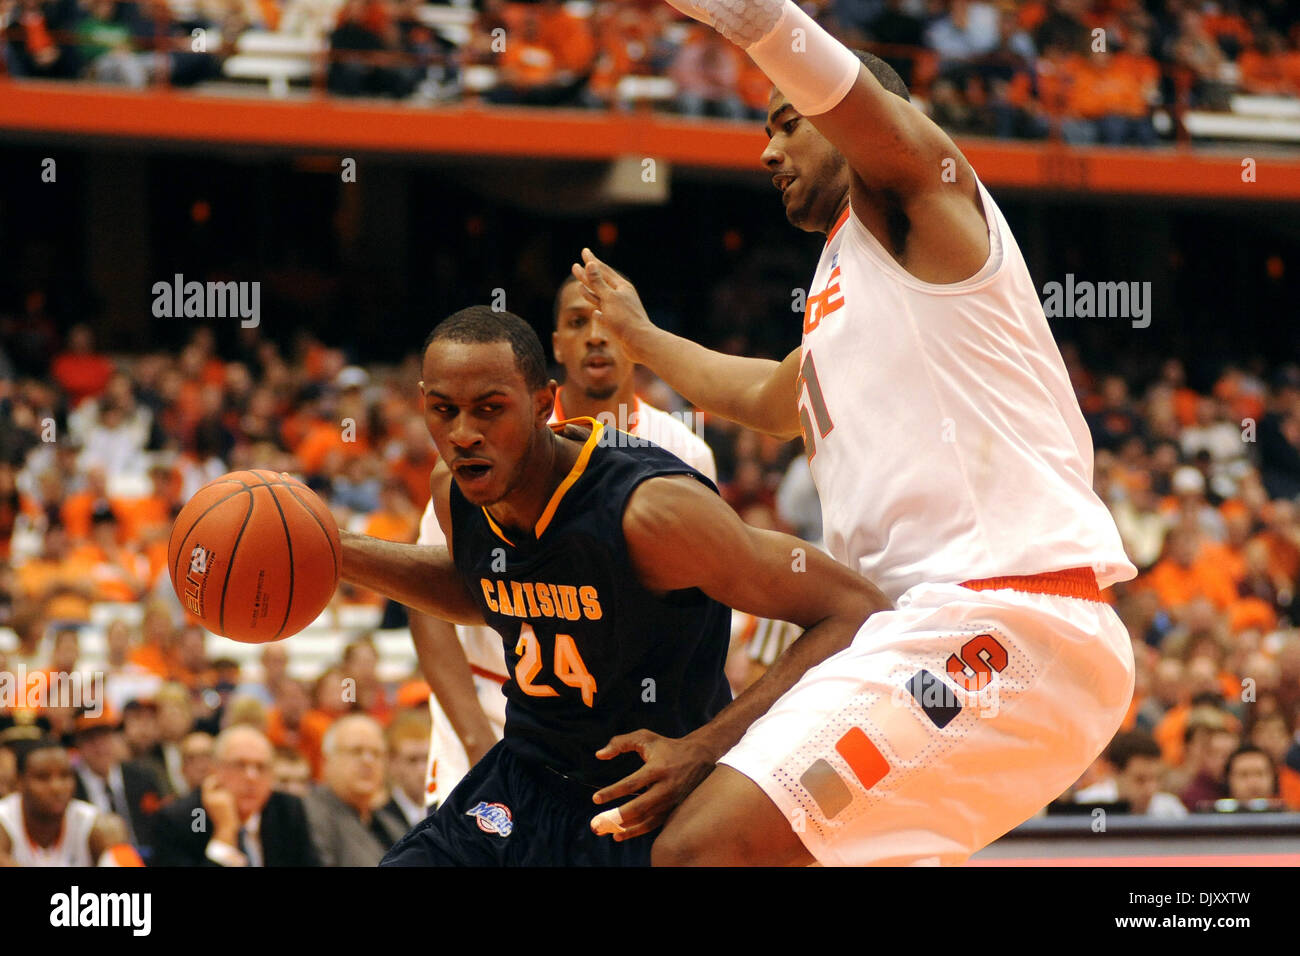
{"type": "Point", "coordinates": [106, 49]}
{"type": "Point", "coordinates": [1195, 49]}
{"type": "Point", "coordinates": [43, 824]}
{"type": "Point", "coordinates": [141, 735]}
{"type": "Point", "coordinates": [293, 725]}
{"type": "Point", "coordinates": [292, 772]}
{"type": "Point", "coordinates": [361, 29]}
{"type": "Point", "coordinates": [532, 73]}
{"type": "Point", "coordinates": [1185, 573]}
{"type": "Point", "coordinates": [1138, 767]}
{"type": "Point", "coordinates": [106, 778]}
{"type": "Point", "coordinates": [246, 823]}
{"type": "Point", "coordinates": [360, 664]}
{"type": "Point", "coordinates": [1265, 68]}
{"type": "Point", "coordinates": [275, 671]}
{"type": "Point", "coordinates": [1207, 759]}
{"type": "Point", "coordinates": [707, 73]}
{"type": "Point", "coordinates": [35, 52]}
{"type": "Point", "coordinates": [968, 30]}
{"type": "Point", "coordinates": [1271, 734]}
{"type": "Point", "coordinates": [175, 724]}
{"type": "Point", "coordinates": [345, 826]}
{"type": "Point", "coordinates": [408, 758]}
{"type": "Point", "coordinates": [158, 27]}
{"type": "Point", "coordinates": [1251, 775]}
{"type": "Point", "coordinates": [569, 36]}
{"type": "Point", "coordinates": [196, 760]}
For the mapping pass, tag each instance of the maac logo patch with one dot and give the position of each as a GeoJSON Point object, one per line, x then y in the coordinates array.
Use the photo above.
{"type": "Point", "coordinates": [492, 818]}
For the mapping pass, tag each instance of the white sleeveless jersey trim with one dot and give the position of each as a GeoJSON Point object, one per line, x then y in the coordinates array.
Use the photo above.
{"type": "Point", "coordinates": [948, 444]}
{"type": "Point", "coordinates": [73, 849]}
{"type": "Point", "coordinates": [672, 434]}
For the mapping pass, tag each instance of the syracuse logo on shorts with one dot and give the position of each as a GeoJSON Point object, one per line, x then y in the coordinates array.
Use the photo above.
{"type": "Point", "coordinates": [492, 818]}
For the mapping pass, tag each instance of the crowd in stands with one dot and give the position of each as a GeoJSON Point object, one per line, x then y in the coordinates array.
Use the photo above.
{"type": "Point", "coordinates": [1091, 70]}
{"type": "Point", "coordinates": [98, 453]}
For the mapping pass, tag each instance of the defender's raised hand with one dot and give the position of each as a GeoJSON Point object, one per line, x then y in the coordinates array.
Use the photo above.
{"type": "Point", "coordinates": [618, 307]}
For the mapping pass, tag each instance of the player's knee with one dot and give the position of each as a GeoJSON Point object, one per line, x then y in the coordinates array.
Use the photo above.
{"type": "Point", "coordinates": [679, 846]}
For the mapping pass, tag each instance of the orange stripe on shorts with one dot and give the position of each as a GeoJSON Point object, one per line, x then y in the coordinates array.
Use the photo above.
{"type": "Point", "coordinates": [863, 757]}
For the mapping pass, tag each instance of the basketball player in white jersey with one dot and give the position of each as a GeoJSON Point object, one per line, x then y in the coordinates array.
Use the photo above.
{"type": "Point", "coordinates": [42, 824]}
{"type": "Point", "coordinates": [465, 665]}
{"type": "Point", "coordinates": [955, 472]}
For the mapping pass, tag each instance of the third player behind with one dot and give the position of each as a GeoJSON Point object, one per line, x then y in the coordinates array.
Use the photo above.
{"type": "Point", "coordinates": [955, 472]}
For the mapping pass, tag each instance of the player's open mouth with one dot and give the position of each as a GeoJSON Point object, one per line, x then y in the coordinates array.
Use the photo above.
{"type": "Point", "coordinates": [472, 472]}
{"type": "Point", "coordinates": [782, 181]}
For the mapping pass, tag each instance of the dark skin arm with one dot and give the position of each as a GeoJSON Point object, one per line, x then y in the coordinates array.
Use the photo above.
{"type": "Point", "coordinates": [442, 658]}
{"type": "Point", "coordinates": [901, 162]}
{"type": "Point", "coordinates": [421, 578]}
{"type": "Point", "coordinates": [681, 535]}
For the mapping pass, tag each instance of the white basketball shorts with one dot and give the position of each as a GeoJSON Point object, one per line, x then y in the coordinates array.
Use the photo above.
{"type": "Point", "coordinates": [946, 723]}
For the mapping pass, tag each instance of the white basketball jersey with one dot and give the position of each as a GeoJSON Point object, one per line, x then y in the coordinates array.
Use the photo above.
{"type": "Point", "coordinates": [944, 436]}
{"type": "Point", "coordinates": [448, 761]}
{"type": "Point", "coordinates": [73, 848]}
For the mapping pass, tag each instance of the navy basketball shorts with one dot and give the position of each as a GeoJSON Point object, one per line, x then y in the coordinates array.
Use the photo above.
{"type": "Point", "coordinates": [508, 811]}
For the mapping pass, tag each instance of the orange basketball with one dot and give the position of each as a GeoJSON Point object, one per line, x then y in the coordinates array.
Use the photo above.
{"type": "Point", "coordinates": [255, 556]}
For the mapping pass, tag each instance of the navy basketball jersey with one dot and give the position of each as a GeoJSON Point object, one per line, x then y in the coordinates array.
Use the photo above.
{"type": "Point", "coordinates": [591, 653]}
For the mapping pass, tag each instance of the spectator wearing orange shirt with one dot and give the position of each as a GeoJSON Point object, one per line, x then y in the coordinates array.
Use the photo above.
{"type": "Point", "coordinates": [533, 72]}
{"type": "Point", "coordinates": [1184, 573]}
{"type": "Point", "coordinates": [292, 723]}
{"type": "Point", "coordinates": [570, 37]}
{"type": "Point", "coordinates": [117, 572]}
{"type": "Point", "coordinates": [397, 519]}
{"type": "Point", "coordinates": [81, 371]}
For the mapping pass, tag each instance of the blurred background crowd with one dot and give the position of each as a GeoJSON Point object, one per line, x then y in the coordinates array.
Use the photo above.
{"type": "Point", "coordinates": [1088, 71]}
{"type": "Point", "coordinates": [98, 452]}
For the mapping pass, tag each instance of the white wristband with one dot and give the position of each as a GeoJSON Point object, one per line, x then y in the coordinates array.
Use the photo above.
{"type": "Point", "coordinates": [812, 68]}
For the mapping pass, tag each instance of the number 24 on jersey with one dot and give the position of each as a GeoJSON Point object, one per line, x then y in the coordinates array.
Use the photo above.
{"type": "Point", "coordinates": [569, 667]}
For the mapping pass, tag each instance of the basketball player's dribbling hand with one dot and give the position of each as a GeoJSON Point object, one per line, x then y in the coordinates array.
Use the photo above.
{"type": "Point", "coordinates": [673, 768]}
{"type": "Point", "coordinates": [618, 307]}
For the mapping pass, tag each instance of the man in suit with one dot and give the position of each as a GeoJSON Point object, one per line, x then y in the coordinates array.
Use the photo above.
{"type": "Point", "coordinates": [235, 818]}
{"type": "Point", "coordinates": [127, 788]}
{"type": "Point", "coordinates": [408, 755]}
{"type": "Point", "coordinates": [346, 828]}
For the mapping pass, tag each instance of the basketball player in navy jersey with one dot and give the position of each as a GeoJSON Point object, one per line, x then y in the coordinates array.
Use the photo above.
{"type": "Point", "coordinates": [609, 572]}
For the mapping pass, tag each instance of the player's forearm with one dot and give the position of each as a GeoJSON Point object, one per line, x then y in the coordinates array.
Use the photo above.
{"type": "Point", "coordinates": [733, 387]}
{"type": "Point", "coordinates": [447, 671]}
{"type": "Point", "coordinates": [815, 645]}
{"type": "Point", "coordinates": [422, 578]}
